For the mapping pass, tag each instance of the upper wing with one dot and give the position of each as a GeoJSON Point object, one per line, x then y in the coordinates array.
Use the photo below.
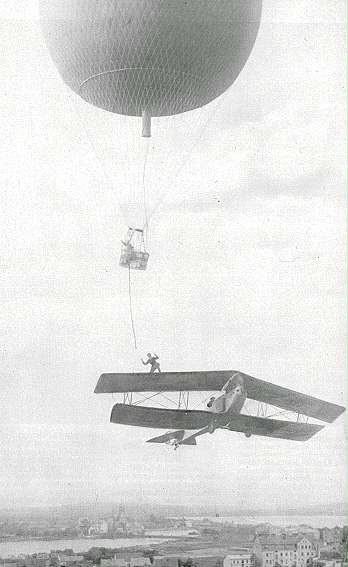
{"type": "Point", "coordinates": [214, 380]}
{"type": "Point", "coordinates": [290, 400]}
{"type": "Point", "coordinates": [159, 418]}
{"type": "Point", "coordinates": [164, 382]}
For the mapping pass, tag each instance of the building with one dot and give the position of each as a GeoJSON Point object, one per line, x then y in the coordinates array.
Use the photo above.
{"type": "Point", "coordinates": [306, 549]}
{"type": "Point", "coordinates": [267, 529]}
{"type": "Point", "coordinates": [36, 560]}
{"type": "Point", "coordinates": [83, 526]}
{"type": "Point", "coordinates": [284, 551]}
{"type": "Point", "coordinates": [121, 562]}
{"type": "Point", "coordinates": [304, 529]}
{"type": "Point", "coordinates": [238, 560]}
{"type": "Point", "coordinates": [329, 563]}
{"type": "Point", "coordinates": [67, 559]}
{"type": "Point", "coordinates": [139, 562]}
{"type": "Point", "coordinates": [331, 539]}
{"type": "Point", "coordinates": [184, 559]}
{"type": "Point", "coordinates": [114, 562]}
{"type": "Point", "coordinates": [100, 527]}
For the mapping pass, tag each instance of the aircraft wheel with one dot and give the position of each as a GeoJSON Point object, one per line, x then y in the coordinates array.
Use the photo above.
{"type": "Point", "coordinates": [247, 435]}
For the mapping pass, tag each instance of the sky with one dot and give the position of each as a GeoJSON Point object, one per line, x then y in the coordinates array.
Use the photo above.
{"type": "Point", "coordinates": [247, 269]}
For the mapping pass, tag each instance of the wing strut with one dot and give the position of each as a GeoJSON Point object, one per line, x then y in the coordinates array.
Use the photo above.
{"type": "Point", "coordinates": [184, 400]}
{"type": "Point", "coordinates": [128, 398]}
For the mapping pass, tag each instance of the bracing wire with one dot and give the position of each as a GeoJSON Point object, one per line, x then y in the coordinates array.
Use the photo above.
{"type": "Point", "coordinates": [131, 308]}
{"type": "Point", "coordinates": [148, 398]}
{"type": "Point", "coordinates": [142, 400]}
{"type": "Point", "coordinates": [201, 402]}
{"type": "Point", "coordinates": [278, 413]}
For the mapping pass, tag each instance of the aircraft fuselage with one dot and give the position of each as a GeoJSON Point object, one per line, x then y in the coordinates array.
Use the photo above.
{"type": "Point", "coordinates": [232, 399]}
{"type": "Point", "coordinates": [222, 408]}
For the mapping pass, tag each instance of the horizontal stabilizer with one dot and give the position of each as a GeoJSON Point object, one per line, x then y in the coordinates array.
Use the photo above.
{"type": "Point", "coordinates": [167, 437]}
{"type": "Point", "coordinates": [214, 380]}
{"type": "Point", "coordinates": [189, 441]}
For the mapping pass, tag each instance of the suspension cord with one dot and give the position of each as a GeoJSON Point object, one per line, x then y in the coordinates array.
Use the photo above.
{"type": "Point", "coordinates": [131, 308]}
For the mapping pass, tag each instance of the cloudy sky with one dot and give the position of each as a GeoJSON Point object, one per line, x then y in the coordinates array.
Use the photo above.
{"type": "Point", "coordinates": [247, 268]}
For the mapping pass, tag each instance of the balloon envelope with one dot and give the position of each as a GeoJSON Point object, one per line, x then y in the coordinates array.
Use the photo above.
{"type": "Point", "coordinates": [163, 57]}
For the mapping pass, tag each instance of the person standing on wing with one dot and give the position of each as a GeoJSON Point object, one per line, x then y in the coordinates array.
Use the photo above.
{"type": "Point", "coordinates": [153, 361]}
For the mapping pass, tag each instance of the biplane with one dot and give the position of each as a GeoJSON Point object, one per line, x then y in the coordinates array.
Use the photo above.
{"type": "Point", "coordinates": [184, 425]}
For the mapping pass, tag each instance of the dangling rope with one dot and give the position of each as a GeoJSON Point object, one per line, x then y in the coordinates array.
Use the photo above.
{"type": "Point", "coordinates": [146, 224]}
{"type": "Point", "coordinates": [131, 308]}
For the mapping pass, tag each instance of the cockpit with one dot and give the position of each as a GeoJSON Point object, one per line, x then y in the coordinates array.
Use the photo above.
{"type": "Point", "coordinates": [236, 382]}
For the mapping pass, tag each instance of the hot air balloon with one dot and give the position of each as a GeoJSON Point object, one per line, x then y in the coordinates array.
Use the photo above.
{"type": "Point", "coordinates": [149, 58]}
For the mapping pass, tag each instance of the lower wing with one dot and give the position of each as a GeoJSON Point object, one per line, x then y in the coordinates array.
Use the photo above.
{"type": "Point", "coordinates": [276, 428]}
{"type": "Point", "coordinates": [158, 418]}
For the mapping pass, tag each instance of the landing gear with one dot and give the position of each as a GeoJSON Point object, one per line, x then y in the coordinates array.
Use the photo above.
{"type": "Point", "coordinates": [247, 435]}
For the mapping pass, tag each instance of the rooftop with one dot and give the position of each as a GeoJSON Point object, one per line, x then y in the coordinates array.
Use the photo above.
{"type": "Point", "coordinates": [273, 542]}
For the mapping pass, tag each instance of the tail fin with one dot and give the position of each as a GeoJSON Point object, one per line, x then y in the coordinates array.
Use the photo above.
{"type": "Point", "coordinates": [167, 437]}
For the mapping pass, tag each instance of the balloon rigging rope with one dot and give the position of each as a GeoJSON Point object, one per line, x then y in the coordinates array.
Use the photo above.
{"type": "Point", "coordinates": [109, 182]}
{"type": "Point", "coordinates": [131, 308]}
{"type": "Point", "coordinates": [188, 154]}
{"type": "Point", "coordinates": [111, 71]}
